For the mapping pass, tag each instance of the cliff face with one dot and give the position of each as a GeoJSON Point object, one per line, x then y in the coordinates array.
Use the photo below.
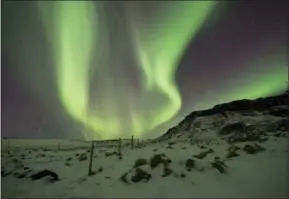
{"type": "Point", "coordinates": [259, 113]}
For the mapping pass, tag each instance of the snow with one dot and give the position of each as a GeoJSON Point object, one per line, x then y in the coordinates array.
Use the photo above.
{"type": "Point", "coordinates": [263, 174]}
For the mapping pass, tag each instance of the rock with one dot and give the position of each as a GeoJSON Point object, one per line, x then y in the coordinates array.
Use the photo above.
{"type": "Point", "coordinates": [238, 127]}
{"type": "Point", "coordinates": [217, 158]}
{"type": "Point", "coordinates": [258, 148]}
{"type": "Point", "coordinates": [18, 163]}
{"type": "Point", "coordinates": [249, 149]}
{"type": "Point", "coordinates": [26, 168]}
{"type": "Point", "coordinates": [233, 148]}
{"type": "Point", "coordinates": [197, 124]}
{"type": "Point", "coordinates": [140, 162]}
{"type": "Point", "coordinates": [171, 143]}
{"type": "Point", "coordinates": [279, 112]}
{"type": "Point", "coordinates": [264, 139]}
{"type": "Point", "coordinates": [16, 174]}
{"type": "Point", "coordinates": [190, 164]}
{"type": "Point", "coordinates": [123, 178]}
{"type": "Point", "coordinates": [140, 175]}
{"type": "Point", "coordinates": [202, 155]}
{"type": "Point", "coordinates": [167, 171]}
{"type": "Point", "coordinates": [107, 154]}
{"type": "Point", "coordinates": [232, 154]}
{"type": "Point", "coordinates": [69, 159]}
{"type": "Point", "coordinates": [53, 176]}
{"type": "Point", "coordinates": [219, 165]}
{"type": "Point", "coordinates": [82, 157]}
{"type": "Point", "coordinates": [253, 149]}
{"type": "Point", "coordinates": [244, 137]}
{"type": "Point", "coordinates": [159, 159]}
{"type": "Point", "coordinates": [283, 125]}
{"type": "Point", "coordinates": [278, 134]}
{"type": "Point", "coordinates": [23, 175]}
{"type": "Point", "coordinates": [20, 176]}
{"type": "Point", "coordinates": [232, 151]}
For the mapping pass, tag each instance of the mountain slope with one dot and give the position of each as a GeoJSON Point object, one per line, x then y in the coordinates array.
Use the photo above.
{"type": "Point", "coordinates": [265, 114]}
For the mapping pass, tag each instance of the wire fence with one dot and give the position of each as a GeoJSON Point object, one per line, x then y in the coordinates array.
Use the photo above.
{"type": "Point", "coordinates": [87, 148]}
{"type": "Point", "coordinates": [67, 145]}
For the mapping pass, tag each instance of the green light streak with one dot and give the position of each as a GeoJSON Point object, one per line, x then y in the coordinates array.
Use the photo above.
{"type": "Point", "coordinates": [160, 51]}
{"type": "Point", "coordinates": [74, 29]}
{"type": "Point", "coordinates": [262, 83]}
{"type": "Point", "coordinates": [265, 80]}
{"type": "Point", "coordinates": [72, 22]}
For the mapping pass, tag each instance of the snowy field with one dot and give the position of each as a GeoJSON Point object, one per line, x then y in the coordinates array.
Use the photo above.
{"type": "Point", "coordinates": [169, 169]}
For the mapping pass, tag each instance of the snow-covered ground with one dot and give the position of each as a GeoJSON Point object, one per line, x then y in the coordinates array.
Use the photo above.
{"type": "Point", "coordinates": [262, 174]}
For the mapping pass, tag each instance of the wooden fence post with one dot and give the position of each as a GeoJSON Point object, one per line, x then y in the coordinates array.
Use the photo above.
{"type": "Point", "coordinates": [90, 160]}
{"type": "Point", "coordinates": [132, 142]}
{"type": "Point", "coordinates": [8, 145]}
{"type": "Point", "coordinates": [119, 149]}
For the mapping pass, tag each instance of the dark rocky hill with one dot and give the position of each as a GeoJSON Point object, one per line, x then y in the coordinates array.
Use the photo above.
{"type": "Point", "coordinates": [275, 107]}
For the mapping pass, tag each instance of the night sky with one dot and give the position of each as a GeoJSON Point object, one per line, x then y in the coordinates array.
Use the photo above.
{"type": "Point", "coordinates": [103, 70]}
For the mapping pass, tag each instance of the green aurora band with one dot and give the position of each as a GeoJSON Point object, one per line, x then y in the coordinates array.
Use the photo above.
{"type": "Point", "coordinates": [71, 22]}
{"type": "Point", "coordinates": [259, 83]}
{"type": "Point", "coordinates": [73, 29]}
{"type": "Point", "coordinates": [159, 52]}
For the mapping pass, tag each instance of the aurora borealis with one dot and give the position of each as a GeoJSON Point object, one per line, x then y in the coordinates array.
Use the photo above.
{"type": "Point", "coordinates": [102, 70]}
